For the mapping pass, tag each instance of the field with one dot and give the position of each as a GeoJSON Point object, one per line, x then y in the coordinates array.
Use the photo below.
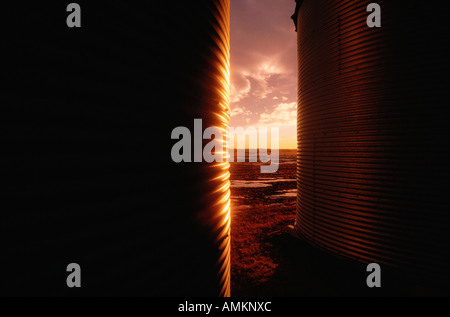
{"type": "Point", "coordinates": [263, 206]}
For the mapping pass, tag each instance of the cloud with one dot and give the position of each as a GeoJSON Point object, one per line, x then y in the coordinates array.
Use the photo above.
{"type": "Point", "coordinates": [240, 88]}
{"type": "Point", "coordinates": [283, 114]}
{"type": "Point", "coordinates": [258, 81]}
{"type": "Point", "coordinates": [237, 111]}
{"type": "Point", "coordinates": [263, 58]}
{"type": "Point", "coordinates": [264, 65]}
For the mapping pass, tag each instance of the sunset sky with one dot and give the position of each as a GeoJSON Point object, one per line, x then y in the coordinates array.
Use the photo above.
{"type": "Point", "coordinates": [264, 66]}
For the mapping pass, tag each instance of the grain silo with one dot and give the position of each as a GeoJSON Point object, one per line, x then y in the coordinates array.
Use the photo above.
{"type": "Point", "coordinates": [87, 173]}
{"type": "Point", "coordinates": [373, 133]}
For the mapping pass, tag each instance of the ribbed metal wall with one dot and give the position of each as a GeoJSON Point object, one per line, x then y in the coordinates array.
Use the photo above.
{"type": "Point", "coordinates": [373, 133]}
{"type": "Point", "coordinates": [86, 170]}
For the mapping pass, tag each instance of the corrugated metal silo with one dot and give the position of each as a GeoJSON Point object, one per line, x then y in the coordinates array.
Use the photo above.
{"type": "Point", "coordinates": [87, 173]}
{"type": "Point", "coordinates": [373, 133]}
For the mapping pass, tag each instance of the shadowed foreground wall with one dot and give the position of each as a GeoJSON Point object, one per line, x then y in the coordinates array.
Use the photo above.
{"type": "Point", "coordinates": [373, 133]}
{"type": "Point", "coordinates": [86, 169]}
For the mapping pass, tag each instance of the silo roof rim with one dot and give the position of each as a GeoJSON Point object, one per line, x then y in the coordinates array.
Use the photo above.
{"type": "Point", "coordinates": [294, 17]}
